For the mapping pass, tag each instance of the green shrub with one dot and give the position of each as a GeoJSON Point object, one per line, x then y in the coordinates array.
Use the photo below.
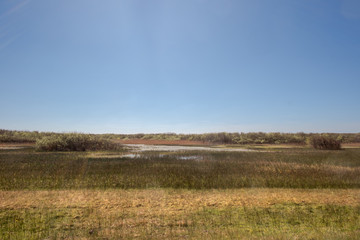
{"type": "Point", "coordinates": [74, 142]}
{"type": "Point", "coordinates": [8, 136]}
{"type": "Point", "coordinates": [324, 143]}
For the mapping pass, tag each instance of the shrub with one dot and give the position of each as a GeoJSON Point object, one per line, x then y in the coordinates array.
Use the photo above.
{"type": "Point", "coordinates": [74, 142]}
{"type": "Point", "coordinates": [325, 143]}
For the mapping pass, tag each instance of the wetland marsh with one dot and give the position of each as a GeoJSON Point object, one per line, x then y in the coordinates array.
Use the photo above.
{"type": "Point", "coordinates": [178, 192]}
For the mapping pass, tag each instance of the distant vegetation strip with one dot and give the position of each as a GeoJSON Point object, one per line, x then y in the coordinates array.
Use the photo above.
{"type": "Point", "coordinates": [8, 136]}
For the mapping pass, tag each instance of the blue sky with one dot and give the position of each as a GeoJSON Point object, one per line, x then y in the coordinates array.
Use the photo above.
{"type": "Point", "coordinates": [185, 66]}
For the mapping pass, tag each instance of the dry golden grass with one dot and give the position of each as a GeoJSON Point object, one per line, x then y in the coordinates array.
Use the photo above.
{"type": "Point", "coordinates": [350, 145]}
{"type": "Point", "coordinates": [172, 201]}
{"type": "Point", "coordinates": [171, 214]}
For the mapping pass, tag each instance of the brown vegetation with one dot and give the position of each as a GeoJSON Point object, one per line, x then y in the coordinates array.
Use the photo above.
{"type": "Point", "coordinates": [325, 143]}
{"type": "Point", "coordinates": [193, 139]}
{"type": "Point", "coordinates": [168, 201]}
{"type": "Point", "coordinates": [162, 142]}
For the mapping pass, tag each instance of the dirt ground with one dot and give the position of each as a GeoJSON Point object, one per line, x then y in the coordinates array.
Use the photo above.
{"type": "Point", "coordinates": [15, 145]}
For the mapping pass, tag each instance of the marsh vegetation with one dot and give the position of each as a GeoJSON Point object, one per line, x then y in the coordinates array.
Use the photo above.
{"type": "Point", "coordinates": [271, 192]}
{"type": "Point", "coordinates": [301, 168]}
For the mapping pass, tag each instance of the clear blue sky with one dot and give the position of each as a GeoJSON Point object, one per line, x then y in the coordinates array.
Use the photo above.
{"type": "Point", "coordinates": [185, 66]}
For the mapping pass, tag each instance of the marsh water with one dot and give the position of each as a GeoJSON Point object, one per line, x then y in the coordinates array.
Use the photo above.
{"type": "Point", "coordinates": [169, 148]}
{"type": "Point", "coordinates": [163, 151]}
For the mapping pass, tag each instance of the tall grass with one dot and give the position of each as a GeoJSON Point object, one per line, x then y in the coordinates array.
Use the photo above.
{"type": "Point", "coordinates": [190, 170]}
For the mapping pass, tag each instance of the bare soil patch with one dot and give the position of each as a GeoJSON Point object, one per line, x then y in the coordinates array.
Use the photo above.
{"type": "Point", "coordinates": [8, 146]}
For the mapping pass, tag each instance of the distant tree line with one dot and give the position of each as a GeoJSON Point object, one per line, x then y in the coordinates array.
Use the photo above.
{"type": "Point", "coordinates": [8, 136]}
{"type": "Point", "coordinates": [244, 138]}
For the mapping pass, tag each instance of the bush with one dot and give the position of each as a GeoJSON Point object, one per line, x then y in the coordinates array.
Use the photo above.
{"type": "Point", "coordinates": [325, 143]}
{"type": "Point", "coordinates": [74, 142]}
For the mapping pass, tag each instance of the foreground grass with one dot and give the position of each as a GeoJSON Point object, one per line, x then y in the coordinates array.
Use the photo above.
{"type": "Point", "coordinates": [178, 214]}
{"type": "Point", "coordinates": [293, 168]}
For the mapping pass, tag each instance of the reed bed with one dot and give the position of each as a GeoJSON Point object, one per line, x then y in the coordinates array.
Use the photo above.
{"type": "Point", "coordinates": [26, 169]}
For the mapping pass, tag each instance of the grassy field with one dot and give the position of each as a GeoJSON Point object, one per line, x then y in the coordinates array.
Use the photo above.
{"type": "Point", "coordinates": [274, 193]}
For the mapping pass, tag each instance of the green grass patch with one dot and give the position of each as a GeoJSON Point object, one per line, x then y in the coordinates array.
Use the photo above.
{"type": "Point", "coordinates": [282, 221]}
